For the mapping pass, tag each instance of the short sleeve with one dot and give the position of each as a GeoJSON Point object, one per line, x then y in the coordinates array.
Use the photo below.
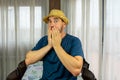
{"type": "Point", "coordinates": [76, 49]}
{"type": "Point", "coordinates": [42, 42]}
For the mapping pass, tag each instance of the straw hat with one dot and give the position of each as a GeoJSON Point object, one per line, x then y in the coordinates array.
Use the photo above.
{"type": "Point", "coordinates": [56, 13]}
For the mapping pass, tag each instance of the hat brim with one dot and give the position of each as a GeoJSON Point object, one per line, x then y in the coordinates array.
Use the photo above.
{"type": "Point", "coordinates": [65, 19]}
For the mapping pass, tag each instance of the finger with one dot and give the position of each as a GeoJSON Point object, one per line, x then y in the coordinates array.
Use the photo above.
{"type": "Point", "coordinates": [53, 34]}
{"type": "Point", "coordinates": [49, 33]}
{"type": "Point", "coordinates": [56, 30]}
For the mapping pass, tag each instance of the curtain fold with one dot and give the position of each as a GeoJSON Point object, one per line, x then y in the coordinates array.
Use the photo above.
{"type": "Point", "coordinates": [96, 24]}
{"type": "Point", "coordinates": [111, 51]}
{"type": "Point", "coordinates": [20, 28]}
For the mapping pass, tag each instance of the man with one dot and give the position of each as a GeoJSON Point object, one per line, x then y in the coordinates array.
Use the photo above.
{"type": "Point", "coordinates": [61, 53]}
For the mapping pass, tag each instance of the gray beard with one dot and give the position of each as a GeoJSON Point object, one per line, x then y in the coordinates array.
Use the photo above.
{"type": "Point", "coordinates": [61, 30]}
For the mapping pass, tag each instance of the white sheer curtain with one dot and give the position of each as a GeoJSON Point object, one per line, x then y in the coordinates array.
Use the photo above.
{"type": "Point", "coordinates": [111, 55]}
{"type": "Point", "coordinates": [99, 33]}
{"type": "Point", "coordinates": [21, 27]}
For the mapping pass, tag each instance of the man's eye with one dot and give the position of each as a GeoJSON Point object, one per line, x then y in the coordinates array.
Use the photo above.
{"type": "Point", "coordinates": [55, 21]}
{"type": "Point", "coordinates": [49, 21]}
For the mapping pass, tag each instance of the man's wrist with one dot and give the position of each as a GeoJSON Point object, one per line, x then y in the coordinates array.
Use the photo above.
{"type": "Point", "coordinates": [49, 46]}
{"type": "Point", "coordinates": [57, 46]}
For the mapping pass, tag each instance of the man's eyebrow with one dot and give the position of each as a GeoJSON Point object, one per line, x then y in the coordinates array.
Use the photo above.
{"type": "Point", "coordinates": [56, 18]}
{"type": "Point", "coordinates": [49, 19]}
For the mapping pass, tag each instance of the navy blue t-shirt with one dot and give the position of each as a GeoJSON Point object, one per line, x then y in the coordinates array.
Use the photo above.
{"type": "Point", "coordinates": [53, 69]}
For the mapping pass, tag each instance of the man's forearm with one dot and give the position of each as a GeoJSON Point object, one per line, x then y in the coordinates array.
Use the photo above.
{"type": "Point", "coordinates": [34, 56]}
{"type": "Point", "coordinates": [73, 64]}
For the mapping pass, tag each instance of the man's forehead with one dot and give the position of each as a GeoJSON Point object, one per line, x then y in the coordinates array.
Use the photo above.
{"type": "Point", "coordinates": [53, 17]}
